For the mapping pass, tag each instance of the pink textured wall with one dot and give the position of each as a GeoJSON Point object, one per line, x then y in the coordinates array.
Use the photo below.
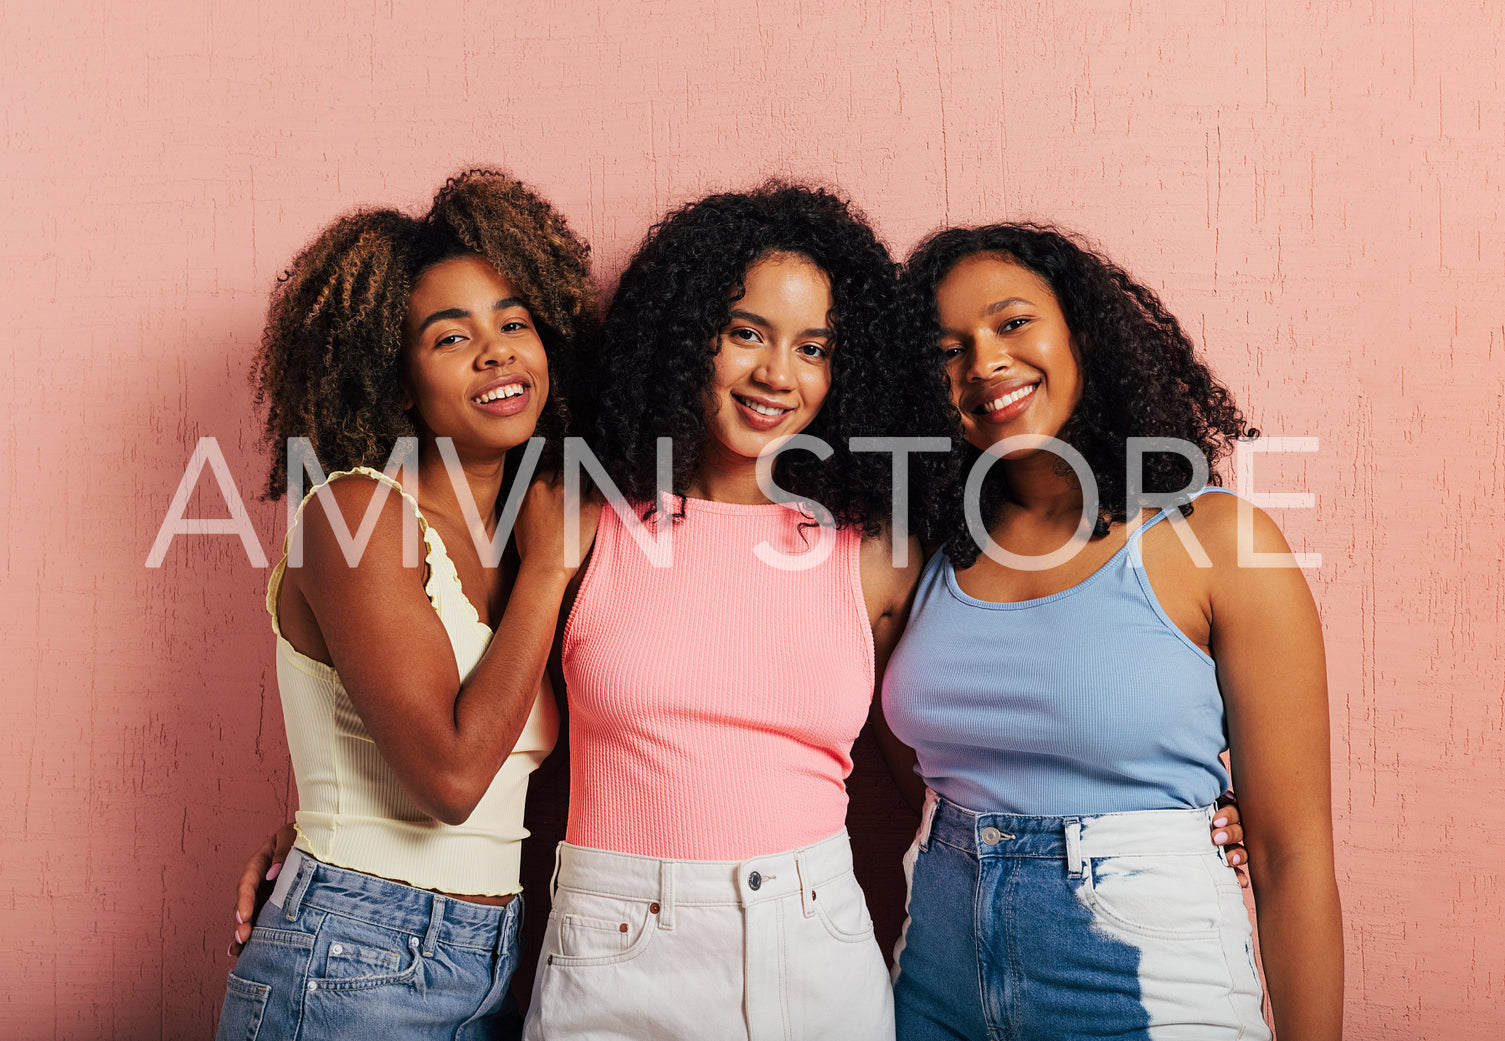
{"type": "Point", "coordinates": [1315, 187]}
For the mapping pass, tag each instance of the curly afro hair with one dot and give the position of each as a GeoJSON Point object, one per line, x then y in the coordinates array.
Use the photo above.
{"type": "Point", "coordinates": [1141, 376]}
{"type": "Point", "coordinates": [331, 353]}
{"type": "Point", "coordinates": [661, 338]}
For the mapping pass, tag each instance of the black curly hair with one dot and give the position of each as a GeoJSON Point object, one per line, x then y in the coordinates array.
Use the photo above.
{"type": "Point", "coordinates": [661, 338]}
{"type": "Point", "coordinates": [1141, 376]}
{"type": "Point", "coordinates": [331, 354]}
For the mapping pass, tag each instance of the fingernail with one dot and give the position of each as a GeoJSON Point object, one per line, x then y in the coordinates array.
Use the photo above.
{"type": "Point", "coordinates": [1219, 822]}
{"type": "Point", "coordinates": [274, 871]}
{"type": "Point", "coordinates": [1220, 838]}
{"type": "Point", "coordinates": [238, 917]}
{"type": "Point", "coordinates": [230, 949]}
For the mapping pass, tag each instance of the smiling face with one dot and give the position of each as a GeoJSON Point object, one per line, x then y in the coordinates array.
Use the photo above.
{"type": "Point", "coordinates": [1009, 355]}
{"type": "Point", "coordinates": [474, 367]}
{"type": "Point", "coordinates": [773, 361]}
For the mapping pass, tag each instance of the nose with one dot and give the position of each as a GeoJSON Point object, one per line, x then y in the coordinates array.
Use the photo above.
{"type": "Point", "coordinates": [774, 370]}
{"type": "Point", "coordinates": [495, 350]}
{"type": "Point", "coordinates": [987, 357]}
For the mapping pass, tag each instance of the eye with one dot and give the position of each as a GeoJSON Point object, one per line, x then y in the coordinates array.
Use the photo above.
{"type": "Point", "coordinates": [452, 340]}
{"type": "Point", "coordinates": [814, 350]}
{"type": "Point", "coordinates": [1013, 325]}
{"type": "Point", "coordinates": [950, 351]}
{"type": "Point", "coordinates": [742, 334]}
{"type": "Point", "coordinates": [516, 325]}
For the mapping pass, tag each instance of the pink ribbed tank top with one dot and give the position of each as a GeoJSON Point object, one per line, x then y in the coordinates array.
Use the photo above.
{"type": "Point", "coordinates": [713, 703]}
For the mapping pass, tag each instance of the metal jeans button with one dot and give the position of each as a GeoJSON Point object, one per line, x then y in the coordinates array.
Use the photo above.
{"type": "Point", "coordinates": [754, 881]}
{"type": "Point", "coordinates": [991, 835]}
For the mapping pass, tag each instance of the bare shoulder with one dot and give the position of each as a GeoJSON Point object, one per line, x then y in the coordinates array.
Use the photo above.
{"type": "Point", "coordinates": [333, 520]}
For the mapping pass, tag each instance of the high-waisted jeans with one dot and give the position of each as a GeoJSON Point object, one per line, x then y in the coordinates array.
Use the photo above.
{"type": "Point", "coordinates": [342, 954]}
{"type": "Point", "coordinates": [774, 948]}
{"type": "Point", "coordinates": [1120, 925]}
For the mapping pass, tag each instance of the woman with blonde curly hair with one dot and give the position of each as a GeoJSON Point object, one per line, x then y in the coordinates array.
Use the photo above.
{"type": "Point", "coordinates": [411, 666]}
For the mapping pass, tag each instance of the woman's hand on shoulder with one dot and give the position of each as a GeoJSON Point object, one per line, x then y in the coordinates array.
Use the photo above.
{"type": "Point", "coordinates": [541, 530]}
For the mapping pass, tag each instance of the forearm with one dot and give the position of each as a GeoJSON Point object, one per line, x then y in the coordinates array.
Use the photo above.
{"type": "Point", "coordinates": [1301, 947]}
{"type": "Point", "coordinates": [496, 699]}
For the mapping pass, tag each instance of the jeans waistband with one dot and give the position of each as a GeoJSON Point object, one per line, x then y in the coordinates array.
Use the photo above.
{"type": "Point", "coordinates": [1145, 832]}
{"type": "Point", "coordinates": [703, 882]}
{"type": "Point", "coordinates": [308, 882]}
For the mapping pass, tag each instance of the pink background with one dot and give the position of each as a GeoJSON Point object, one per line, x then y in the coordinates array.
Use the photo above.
{"type": "Point", "coordinates": [1314, 186]}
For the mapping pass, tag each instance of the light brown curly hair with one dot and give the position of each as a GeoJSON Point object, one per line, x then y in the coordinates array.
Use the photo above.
{"type": "Point", "coordinates": [331, 354]}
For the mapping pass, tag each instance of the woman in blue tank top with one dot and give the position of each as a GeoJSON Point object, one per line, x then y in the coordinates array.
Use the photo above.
{"type": "Point", "coordinates": [1073, 670]}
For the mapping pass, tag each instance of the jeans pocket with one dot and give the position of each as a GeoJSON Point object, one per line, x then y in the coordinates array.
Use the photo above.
{"type": "Point", "coordinates": [350, 954]}
{"type": "Point", "coordinates": [586, 929]}
{"type": "Point", "coordinates": [842, 909]}
{"type": "Point", "coordinates": [1164, 897]}
{"type": "Point", "coordinates": [245, 1006]}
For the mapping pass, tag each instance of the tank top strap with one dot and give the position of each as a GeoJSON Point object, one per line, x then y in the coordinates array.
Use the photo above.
{"type": "Point", "coordinates": [1174, 507]}
{"type": "Point", "coordinates": [274, 583]}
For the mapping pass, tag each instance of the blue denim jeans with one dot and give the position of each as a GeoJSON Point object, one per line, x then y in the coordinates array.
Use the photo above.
{"type": "Point", "coordinates": [1121, 925]}
{"type": "Point", "coordinates": [343, 954]}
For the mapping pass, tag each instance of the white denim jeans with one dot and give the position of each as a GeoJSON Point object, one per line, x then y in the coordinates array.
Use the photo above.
{"type": "Point", "coordinates": [775, 948]}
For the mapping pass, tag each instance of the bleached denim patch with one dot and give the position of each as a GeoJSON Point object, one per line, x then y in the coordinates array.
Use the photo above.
{"type": "Point", "coordinates": [1122, 925]}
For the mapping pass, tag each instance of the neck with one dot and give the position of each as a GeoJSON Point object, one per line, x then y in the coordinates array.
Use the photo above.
{"type": "Point", "coordinates": [725, 478]}
{"type": "Point", "coordinates": [479, 479]}
{"type": "Point", "coordinates": [1035, 486]}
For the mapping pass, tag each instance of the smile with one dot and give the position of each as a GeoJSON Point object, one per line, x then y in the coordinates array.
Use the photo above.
{"type": "Point", "coordinates": [510, 390]}
{"type": "Point", "coordinates": [1007, 399]}
{"type": "Point", "coordinates": [760, 408]}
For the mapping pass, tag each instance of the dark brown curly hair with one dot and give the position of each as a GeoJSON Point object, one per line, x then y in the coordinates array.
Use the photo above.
{"type": "Point", "coordinates": [331, 354]}
{"type": "Point", "coordinates": [1141, 375]}
{"type": "Point", "coordinates": [660, 344]}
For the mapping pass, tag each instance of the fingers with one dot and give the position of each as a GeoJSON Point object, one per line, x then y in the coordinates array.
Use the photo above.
{"type": "Point", "coordinates": [1228, 832]}
{"type": "Point", "coordinates": [255, 883]}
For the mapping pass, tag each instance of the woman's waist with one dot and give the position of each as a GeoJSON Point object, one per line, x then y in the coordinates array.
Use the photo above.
{"type": "Point", "coordinates": [1151, 832]}
{"type": "Point", "coordinates": [471, 862]}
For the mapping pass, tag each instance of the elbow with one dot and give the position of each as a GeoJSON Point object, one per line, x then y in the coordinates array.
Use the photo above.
{"type": "Point", "coordinates": [454, 799]}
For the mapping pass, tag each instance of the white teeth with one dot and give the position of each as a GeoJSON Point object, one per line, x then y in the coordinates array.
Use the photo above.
{"type": "Point", "coordinates": [761, 409]}
{"type": "Point", "coordinates": [511, 390]}
{"type": "Point", "coordinates": [1008, 399]}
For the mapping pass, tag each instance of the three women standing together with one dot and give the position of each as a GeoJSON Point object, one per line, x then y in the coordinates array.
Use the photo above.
{"type": "Point", "coordinates": [1068, 720]}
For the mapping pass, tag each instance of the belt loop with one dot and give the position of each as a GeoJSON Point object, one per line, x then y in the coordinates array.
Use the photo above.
{"type": "Point", "coordinates": [1076, 867]}
{"type": "Point", "coordinates": [927, 818]}
{"type": "Point", "coordinates": [436, 918]}
{"type": "Point", "coordinates": [666, 894]}
{"type": "Point", "coordinates": [807, 890]}
{"type": "Point", "coordinates": [305, 868]}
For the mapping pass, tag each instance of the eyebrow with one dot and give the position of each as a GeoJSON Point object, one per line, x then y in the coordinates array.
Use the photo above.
{"type": "Point", "coordinates": [460, 312]}
{"type": "Point", "coordinates": [748, 316]}
{"type": "Point", "coordinates": [1004, 305]}
{"type": "Point", "coordinates": [992, 309]}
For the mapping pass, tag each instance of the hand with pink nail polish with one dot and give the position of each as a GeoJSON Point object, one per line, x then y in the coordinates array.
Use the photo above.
{"type": "Point", "coordinates": [1228, 832]}
{"type": "Point", "coordinates": [256, 883]}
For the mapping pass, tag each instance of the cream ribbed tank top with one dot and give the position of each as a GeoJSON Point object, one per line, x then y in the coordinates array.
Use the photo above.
{"type": "Point", "coordinates": [351, 811]}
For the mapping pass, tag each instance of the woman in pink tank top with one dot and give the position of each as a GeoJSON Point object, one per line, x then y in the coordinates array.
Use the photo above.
{"type": "Point", "coordinates": [721, 646]}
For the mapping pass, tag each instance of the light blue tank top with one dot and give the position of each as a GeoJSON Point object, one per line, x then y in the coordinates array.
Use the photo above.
{"type": "Point", "coordinates": [1090, 700]}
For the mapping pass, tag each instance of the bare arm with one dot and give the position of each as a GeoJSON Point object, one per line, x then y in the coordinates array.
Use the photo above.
{"type": "Point", "coordinates": [889, 592]}
{"type": "Point", "coordinates": [1267, 641]}
{"type": "Point", "coordinates": [443, 740]}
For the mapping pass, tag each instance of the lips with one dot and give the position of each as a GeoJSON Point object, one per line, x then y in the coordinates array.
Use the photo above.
{"type": "Point", "coordinates": [1006, 401]}
{"type": "Point", "coordinates": [505, 397]}
{"type": "Point", "coordinates": [759, 414]}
